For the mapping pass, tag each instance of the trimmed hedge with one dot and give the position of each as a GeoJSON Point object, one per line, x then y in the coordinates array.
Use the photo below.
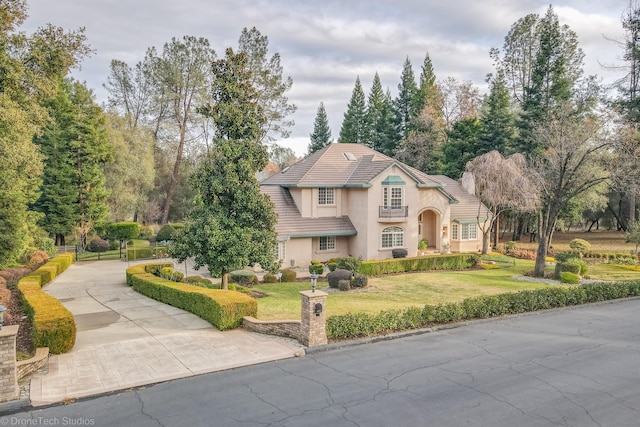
{"type": "Point", "coordinates": [53, 325]}
{"type": "Point", "coordinates": [243, 277]}
{"type": "Point", "coordinates": [354, 325]}
{"type": "Point", "coordinates": [222, 308]}
{"type": "Point", "coordinates": [146, 252]}
{"type": "Point", "coordinates": [424, 263]}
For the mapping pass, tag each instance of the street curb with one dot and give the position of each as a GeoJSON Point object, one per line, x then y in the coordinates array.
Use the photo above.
{"type": "Point", "coordinates": [411, 332]}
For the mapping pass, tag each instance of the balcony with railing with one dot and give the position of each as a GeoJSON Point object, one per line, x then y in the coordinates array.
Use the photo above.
{"type": "Point", "coordinates": [393, 213]}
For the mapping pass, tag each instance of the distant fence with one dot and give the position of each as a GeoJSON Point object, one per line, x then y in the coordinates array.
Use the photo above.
{"type": "Point", "coordinates": [127, 253]}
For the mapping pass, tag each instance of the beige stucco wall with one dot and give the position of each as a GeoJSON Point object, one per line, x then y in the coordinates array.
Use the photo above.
{"type": "Point", "coordinates": [299, 252]}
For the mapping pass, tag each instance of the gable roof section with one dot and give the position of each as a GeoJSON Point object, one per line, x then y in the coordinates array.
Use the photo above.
{"type": "Point", "coordinates": [345, 165]}
{"type": "Point", "coordinates": [292, 224]}
{"type": "Point", "coordinates": [469, 208]}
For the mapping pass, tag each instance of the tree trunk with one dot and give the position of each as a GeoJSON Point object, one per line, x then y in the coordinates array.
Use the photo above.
{"type": "Point", "coordinates": [173, 185]}
{"type": "Point", "coordinates": [486, 238]}
{"type": "Point", "coordinates": [632, 206]}
{"type": "Point", "coordinates": [541, 253]}
{"type": "Point", "coordinates": [225, 279]}
{"type": "Point", "coordinates": [496, 230]}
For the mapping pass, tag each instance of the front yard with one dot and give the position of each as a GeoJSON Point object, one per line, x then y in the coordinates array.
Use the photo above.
{"type": "Point", "coordinates": [417, 289]}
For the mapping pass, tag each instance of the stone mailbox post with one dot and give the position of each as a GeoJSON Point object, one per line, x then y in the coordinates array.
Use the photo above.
{"type": "Point", "coordinates": [313, 330]}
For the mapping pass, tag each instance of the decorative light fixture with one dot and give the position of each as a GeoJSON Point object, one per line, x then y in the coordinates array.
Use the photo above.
{"type": "Point", "coordinates": [314, 281]}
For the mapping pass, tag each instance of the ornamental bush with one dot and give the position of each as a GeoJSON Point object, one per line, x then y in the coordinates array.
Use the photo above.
{"type": "Point", "coordinates": [399, 253]}
{"type": "Point", "coordinates": [166, 233]}
{"type": "Point", "coordinates": [344, 285]}
{"type": "Point", "coordinates": [243, 277]}
{"type": "Point", "coordinates": [340, 274]}
{"type": "Point", "coordinates": [360, 281]}
{"type": "Point", "coordinates": [569, 278]}
{"type": "Point", "coordinates": [350, 263]}
{"type": "Point", "coordinates": [269, 278]}
{"type": "Point", "coordinates": [579, 245]}
{"type": "Point", "coordinates": [584, 267]}
{"type": "Point", "coordinates": [288, 275]}
{"type": "Point", "coordinates": [98, 245]}
{"type": "Point", "coordinates": [122, 231]}
{"type": "Point", "coordinates": [423, 263]}
{"type": "Point", "coordinates": [203, 282]}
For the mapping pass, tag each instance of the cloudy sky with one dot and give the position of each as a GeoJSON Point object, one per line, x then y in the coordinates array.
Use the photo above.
{"type": "Point", "coordinates": [324, 45]}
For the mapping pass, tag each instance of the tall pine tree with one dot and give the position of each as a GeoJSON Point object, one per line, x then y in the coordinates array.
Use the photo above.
{"type": "Point", "coordinates": [321, 135]}
{"type": "Point", "coordinates": [405, 102]}
{"type": "Point", "coordinates": [498, 120]}
{"type": "Point", "coordinates": [354, 125]}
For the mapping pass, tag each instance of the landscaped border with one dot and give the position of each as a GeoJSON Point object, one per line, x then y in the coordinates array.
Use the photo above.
{"type": "Point", "coordinates": [423, 263]}
{"type": "Point", "coordinates": [53, 325]}
{"type": "Point", "coordinates": [355, 325]}
{"type": "Point", "coordinates": [222, 308]}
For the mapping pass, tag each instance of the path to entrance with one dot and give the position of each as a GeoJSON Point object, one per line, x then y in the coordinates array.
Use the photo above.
{"type": "Point", "coordinates": [125, 339]}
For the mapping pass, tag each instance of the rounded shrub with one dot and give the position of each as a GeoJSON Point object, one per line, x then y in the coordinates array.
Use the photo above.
{"type": "Point", "coordinates": [199, 281]}
{"type": "Point", "coordinates": [332, 266]}
{"type": "Point", "coordinates": [340, 274]}
{"type": "Point", "coordinates": [316, 268]}
{"type": "Point", "coordinates": [166, 233]}
{"type": "Point", "coordinates": [584, 267]}
{"type": "Point", "coordinates": [360, 281]}
{"type": "Point", "coordinates": [580, 245]}
{"type": "Point", "coordinates": [349, 263]}
{"type": "Point", "coordinates": [288, 275]}
{"type": "Point", "coordinates": [570, 266]}
{"type": "Point", "coordinates": [569, 278]}
{"type": "Point", "coordinates": [243, 277]}
{"type": "Point", "coordinates": [399, 253]}
{"type": "Point", "coordinates": [344, 285]}
{"type": "Point", "coordinates": [98, 245]}
{"type": "Point", "coordinates": [269, 278]}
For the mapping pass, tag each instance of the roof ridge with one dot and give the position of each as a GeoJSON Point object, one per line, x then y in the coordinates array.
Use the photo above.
{"type": "Point", "coordinates": [316, 162]}
{"type": "Point", "coordinates": [353, 169]}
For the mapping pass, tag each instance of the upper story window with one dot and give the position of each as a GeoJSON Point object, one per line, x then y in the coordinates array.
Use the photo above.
{"type": "Point", "coordinates": [392, 197]}
{"type": "Point", "coordinates": [326, 196]}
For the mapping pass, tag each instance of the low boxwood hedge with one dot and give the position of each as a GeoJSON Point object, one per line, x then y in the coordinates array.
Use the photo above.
{"type": "Point", "coordinates": [423, 263]}
{"type": "Point", "coordinates": [53, 325]}
{"type": "Point", "coordinates": [222, 308]}
{"type": "Point", "coordinates": [354, 325]}
{"type": "Point", "coordinates": [147, 252]}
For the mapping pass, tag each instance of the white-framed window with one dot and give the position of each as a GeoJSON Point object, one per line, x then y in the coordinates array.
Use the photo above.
{"type": "Point", "coordinates": [467, 232]}
{"type": "Point", "coordinates": [327, 243]}
{"type": "Point", "coordinates": [325, 196]}
{"type": "Point", "coordinates": [392, 237]}
{"type": "Point", "coordinates": [392, 197]}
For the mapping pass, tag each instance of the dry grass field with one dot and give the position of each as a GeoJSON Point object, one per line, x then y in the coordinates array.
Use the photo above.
{"type": "Point", "coordinates": [601, 241]}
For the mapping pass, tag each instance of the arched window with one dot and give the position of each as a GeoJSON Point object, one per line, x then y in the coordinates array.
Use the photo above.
{"type": "Point", "coordinates": [393, 237]}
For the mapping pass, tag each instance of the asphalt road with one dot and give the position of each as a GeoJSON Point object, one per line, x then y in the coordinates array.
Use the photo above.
{"type": "Point", "coordinates": [569, 367]}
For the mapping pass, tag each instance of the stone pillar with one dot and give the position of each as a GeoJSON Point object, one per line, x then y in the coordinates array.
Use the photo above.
{"type": "Point", "coordinates": [8, 381]}
{"type": "Point", "coordinates": [313, 330]}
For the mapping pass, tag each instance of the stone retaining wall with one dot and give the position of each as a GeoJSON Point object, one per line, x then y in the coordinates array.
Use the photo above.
{"type": "Point", "coordinates": [26, 367]}
{"type": "Point", "coordinates": [281, 328]}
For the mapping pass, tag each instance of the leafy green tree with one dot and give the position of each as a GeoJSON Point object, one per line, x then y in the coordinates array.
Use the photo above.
{"type": "Point", "coordinates": [405, 102]}
{"type": "Point", "coordinates": [77, 147]}
{"type": "Point", "coordinates": [233, 223]}
{"type": "Point", "coordinates": [354, 125]}
{"type": "Point", "coordinates": [282, 156]}
{"type": "Point", "coordinates": [266, 78]}
{"type": "Point", "coordinates": [321, 135]}
{"type": "Point", "coordinates": [31, 66]}
{"type": "Point", "coordinates": [130, 176]}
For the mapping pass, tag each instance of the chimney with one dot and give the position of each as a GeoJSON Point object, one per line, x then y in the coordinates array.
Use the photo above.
{"type": "Point", "coordinates": [468, 183]}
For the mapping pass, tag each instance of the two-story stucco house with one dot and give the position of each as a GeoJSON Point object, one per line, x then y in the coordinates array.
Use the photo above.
{"type": "Point", "coordinates": [348, 199]}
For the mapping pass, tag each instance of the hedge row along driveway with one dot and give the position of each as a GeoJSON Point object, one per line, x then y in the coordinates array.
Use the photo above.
{"type": "Point", "coordinates": [222, 308]}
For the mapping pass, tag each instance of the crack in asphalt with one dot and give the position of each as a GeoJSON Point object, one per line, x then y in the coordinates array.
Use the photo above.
{"type": "Point", "coordinates": [142, 410]}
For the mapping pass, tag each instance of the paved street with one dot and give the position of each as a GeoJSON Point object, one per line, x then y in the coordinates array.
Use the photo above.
{"type": "Point", "coordinates": [569, 367]}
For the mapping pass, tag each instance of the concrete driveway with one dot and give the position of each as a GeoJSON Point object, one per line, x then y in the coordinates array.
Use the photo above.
{"type": "Point", "coordinates": [125, 339]}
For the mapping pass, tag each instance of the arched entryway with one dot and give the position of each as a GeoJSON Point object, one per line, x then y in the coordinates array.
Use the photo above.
{"type": "Point", "coordinates": [428, 226]}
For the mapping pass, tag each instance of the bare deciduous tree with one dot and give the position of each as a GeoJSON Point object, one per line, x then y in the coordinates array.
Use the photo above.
{"type": "Point", "coordinates": [502, 185]}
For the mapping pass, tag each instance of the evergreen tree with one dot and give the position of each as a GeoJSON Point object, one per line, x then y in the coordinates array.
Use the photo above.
{"type": "Point", "coordinates": [498, 120]}
{"type": "Point", "coordinates": [354, 125]}
{"type": "Point", "coordinates": [427, 90]}
{"type": "Point", "coordinates": [388, 140]}
{"type": "Point", "coordinates": [321, 135]}
{"type": "Point", "coordinates": [233, 223]}
{"type": "Point", "coordinates": [463, 145]}
{"type": "Point", "coordinates": [375, 103]}
{"type": "Point", "coordinates": [77, 147]}
{"type": "Point", "coordinates": [405, 102]}
{"type": "Point", "coordinates": [555, 73]}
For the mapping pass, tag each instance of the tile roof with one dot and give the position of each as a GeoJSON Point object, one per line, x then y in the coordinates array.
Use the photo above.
{"type": "Point", "coordinates": [342, 165]}
{"type": "Point", "coordinates": [468, 207]}
{"type": "Point", "coordinates": [292, 224]}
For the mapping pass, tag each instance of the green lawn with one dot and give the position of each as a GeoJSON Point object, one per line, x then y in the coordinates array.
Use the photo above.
{"type": "Point", "coordinates": [417, 289]}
